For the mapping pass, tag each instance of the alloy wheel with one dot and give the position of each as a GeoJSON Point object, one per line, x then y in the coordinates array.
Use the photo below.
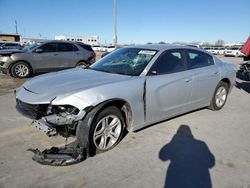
{"type": "Point", "coordinates": [107, 132]}
{"type": "Point", "coordinates": [21, 70]}
{"type": "Point", "coordinates": [221, 96]}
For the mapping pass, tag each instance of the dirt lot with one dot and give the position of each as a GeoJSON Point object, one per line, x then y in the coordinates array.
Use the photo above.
{"type": "Point", "coordinates": [212, 147]}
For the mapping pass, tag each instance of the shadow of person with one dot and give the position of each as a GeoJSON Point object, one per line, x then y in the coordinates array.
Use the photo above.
{"type": "Point", "coordinates": [190, 160]}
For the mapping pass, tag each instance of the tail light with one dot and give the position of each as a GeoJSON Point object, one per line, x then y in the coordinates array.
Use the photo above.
{"type": "Point", "coordinates": [93, 54]}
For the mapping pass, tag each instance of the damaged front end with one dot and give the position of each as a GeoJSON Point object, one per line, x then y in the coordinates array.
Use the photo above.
{"type": "Point", "coordinates": [56, 120]}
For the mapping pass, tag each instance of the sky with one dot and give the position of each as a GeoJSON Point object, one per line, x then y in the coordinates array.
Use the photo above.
{"type": "Point", "coordinates": [138, 21]}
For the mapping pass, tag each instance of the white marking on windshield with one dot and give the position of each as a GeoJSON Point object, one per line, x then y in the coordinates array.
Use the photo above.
{"type": "Point", "coordinates": [147, 52]}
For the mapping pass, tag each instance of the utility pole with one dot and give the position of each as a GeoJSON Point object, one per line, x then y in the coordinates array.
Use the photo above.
{"type": "Point", "coordinates": [115, 30]}
{"type": "Point", "coordinates": [16, 26]}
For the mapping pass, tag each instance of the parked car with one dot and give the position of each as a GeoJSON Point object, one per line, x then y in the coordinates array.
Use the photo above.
{"type": "Point", "coordinates": [130, 88]}
{"type": "Point", "coordinates": [97, 48]}
{"type": "Point", "coordinates": [233, 51]}
{"type": "Point", "coordinates": [216, 50]}
{"type": "Point", "coordinates": [2, 42]}
{"type": "Point", "coordinates": [11, 45]}
{"type": "Point", "coordinates": [209, 49]}
{"type": "Point", "coordinates": [47, 57]}
{"type": "Point", "coordinates": [110, 48]}
{"type": "Point", "coordinates": [221, 51]}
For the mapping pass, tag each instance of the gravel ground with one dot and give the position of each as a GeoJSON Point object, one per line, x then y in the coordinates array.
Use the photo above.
{"type": "Point", "coordinates": [202, 146]}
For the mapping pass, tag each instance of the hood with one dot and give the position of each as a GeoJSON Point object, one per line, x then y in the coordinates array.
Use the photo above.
{"type": "Point", "coordinates": [70, 81]}
{"type": "Point", "coordinates": [10, 51]}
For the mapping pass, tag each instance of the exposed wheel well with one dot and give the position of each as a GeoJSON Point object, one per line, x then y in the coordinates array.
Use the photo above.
{"type": "Point", "coordinates": [10, 67]}
{"type": "Point", "coordinates": [124, 107]}
{"type": "Point", "coordinates": [227, 81]}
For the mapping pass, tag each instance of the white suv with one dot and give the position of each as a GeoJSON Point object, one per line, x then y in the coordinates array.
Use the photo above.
{"type": "Point", "coordinates": [233, 51]}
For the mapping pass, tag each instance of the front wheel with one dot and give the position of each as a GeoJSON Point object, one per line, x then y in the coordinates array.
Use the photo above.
{"type": "Point", "coordinates": [219, 97]}
{"type": "Point", "coordinates": [107, 129]}
{"type": "Point", "coordinates": [21, 70]}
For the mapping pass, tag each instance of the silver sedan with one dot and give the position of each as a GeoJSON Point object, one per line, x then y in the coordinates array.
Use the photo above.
{"type": "Point", "coordinates": [128, 89]}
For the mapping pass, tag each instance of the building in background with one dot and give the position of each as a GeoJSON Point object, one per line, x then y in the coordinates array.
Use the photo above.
{"type": "Point", "coordinates": [91, 40]}
{"type": "Point", "coordinates": [28, 41]}
{"type": "Point", "coordinates": [10, 37]}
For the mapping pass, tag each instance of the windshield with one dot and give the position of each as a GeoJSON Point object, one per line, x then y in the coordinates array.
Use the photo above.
{"type": "Point", "coordinates": [30, 47]}
{"type": "Point", "coordinates": [126, 61]}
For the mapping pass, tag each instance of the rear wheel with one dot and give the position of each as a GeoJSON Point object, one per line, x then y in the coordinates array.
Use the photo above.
{"type": "Point", "coordinates": [21, 70]}
{"type": "Point", "coordinates": [219, 97]}
{"type": "Point", "coordinates": [107, 129]}
{"type": "Point", "coordinates": [82, 64]}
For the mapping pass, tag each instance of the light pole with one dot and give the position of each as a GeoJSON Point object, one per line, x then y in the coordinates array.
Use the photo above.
{"type": "Point", "coordinates": [16, 27]}
{"type": "Point", "coordinates": [115, 30]}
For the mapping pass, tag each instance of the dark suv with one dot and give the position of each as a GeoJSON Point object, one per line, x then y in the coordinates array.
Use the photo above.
{"type": "Point", "coordinates": [47, 57]}
{"type": "Point", "coordinates": [10, 45]}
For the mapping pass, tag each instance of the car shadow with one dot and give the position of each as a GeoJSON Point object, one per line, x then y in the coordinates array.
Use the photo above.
{"type": "Point", "coordinates": [243, 86]}
{"type": "Point", "coordinates": [190, 161]}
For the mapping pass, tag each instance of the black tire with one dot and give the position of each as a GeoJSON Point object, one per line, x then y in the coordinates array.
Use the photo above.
{"type": "Point", "coordinates": [21, 69]}
{"type": "Point", "coordinates": [109, 111]}
{"type": "Point", "coordinates": [82, 64]}
{"type": "Point", "coordinates": [213, 104]}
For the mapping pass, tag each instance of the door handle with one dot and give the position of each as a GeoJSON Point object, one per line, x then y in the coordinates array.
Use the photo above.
{"type": "Point", "coordinates": [55, 54]}
{"type": "Point", "coordinates": [217, 72]}
{"type": "Point", "coordinates": [188, 80]}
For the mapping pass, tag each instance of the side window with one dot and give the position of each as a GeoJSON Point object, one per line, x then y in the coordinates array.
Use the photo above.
{"type": "Point", "coordinates": [50, 47]}
{"type": "Point", "coordinates": [197, 59]}
{"type": "Point", "coordinates": [170, 61]}
{"type": "Point", "coordinates": [75, 48]}
{"type": "Point", "coordinates": [86, 47]}
{"type": "Point", "coordinates": [65, 47]}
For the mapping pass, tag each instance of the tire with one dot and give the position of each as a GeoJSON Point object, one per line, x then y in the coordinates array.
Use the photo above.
{"type": "Point", "coordinates": [82, 64]}
{"type": "Point", "coordinates": [103, 130]}
{"type": "Point", "coordinates": [220, 96]}
{"type": "Point", "coordinates": [21, 69]}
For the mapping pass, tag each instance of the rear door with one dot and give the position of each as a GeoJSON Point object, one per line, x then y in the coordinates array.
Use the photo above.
{"type": "Point", "coordinates": [206, 77]}
{"type": "Point", "coordinates": [168, 86]}
{"type": "Point", "coordinates": [68, 55]}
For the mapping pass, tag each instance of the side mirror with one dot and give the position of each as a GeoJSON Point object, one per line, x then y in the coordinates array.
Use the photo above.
{"type": "Point", "coordinates": [38, 50]}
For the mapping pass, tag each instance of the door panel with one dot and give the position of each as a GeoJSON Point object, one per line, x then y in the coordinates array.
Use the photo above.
{"type": "Point", "coordinates": [47, 59]}
{"type": "Point", "coordinates": [68, 55]}
{"type": "Point", "coordinates": [167, 95]}
{"type": "Point", "coordinates": [204, 84]}
{"type": "Point", "coordinates": [68, 59]}
{"type": "Point", "coordinates": [168, 92]}
{"type": "Point", "coordinates": [206, 77]}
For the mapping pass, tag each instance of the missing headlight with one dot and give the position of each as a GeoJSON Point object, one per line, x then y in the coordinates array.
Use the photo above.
{"type": "Point", "coordinates": [62, 109]}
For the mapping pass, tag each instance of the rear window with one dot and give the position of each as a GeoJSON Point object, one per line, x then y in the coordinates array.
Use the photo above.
{"type": "Point", "coordinates": [233, 48]}
{"type": "Point", "coordinates": [197, 59]}
{"type": "Point", "coordinates": [66, 47]}
{"type": "Point", "coordinates": [86, 47]}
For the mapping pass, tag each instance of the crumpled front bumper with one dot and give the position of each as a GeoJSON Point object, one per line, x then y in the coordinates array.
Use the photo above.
{"type": "Point", "coordinates": [5, 63]}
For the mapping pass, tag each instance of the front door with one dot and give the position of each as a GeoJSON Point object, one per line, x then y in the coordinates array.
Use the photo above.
{"type": "Point", "coordinates": [46, 59]}
{"type": "Point", "coordinates": [168, 86]}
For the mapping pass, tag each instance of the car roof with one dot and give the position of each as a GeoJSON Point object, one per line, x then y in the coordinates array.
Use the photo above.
{"type": "Point", "coordinates": [164, 47]}
{"type": "Point", "coordinates": [63, 41]}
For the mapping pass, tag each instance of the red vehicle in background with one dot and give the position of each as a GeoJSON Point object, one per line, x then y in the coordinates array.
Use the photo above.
{"type": "Point", "coordinates": [245, 67]}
